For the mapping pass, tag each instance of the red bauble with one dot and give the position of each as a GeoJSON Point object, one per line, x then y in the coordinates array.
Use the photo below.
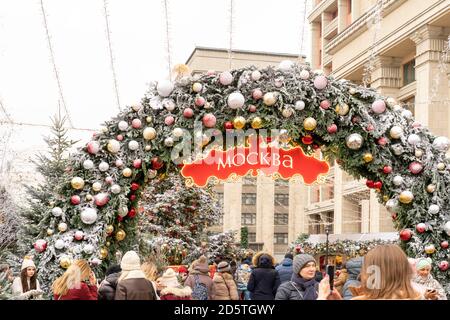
{"type": "Point", "coordinates": [307, 140]}
{"type": "Point", "coordinates": [200, 101]}
{"type": "Point", "coordinates": [137, 163]}
{"type": "Point", "coordinates": [252, 108]}
{"type": "Point", "coordinates": [369, 184]}
{"type": "Point", "coordinates": [119, 218]}
{"type": "Point", "coordinates": [421, 227]}
{"type": "Point", "coordinates": [325, 104]}
{"type": "Point", "coordinates": [132, 213]}
{"type": "Point", "coordinates": [443, 265]}
{"type": "Point", "coordinates": [75, 200]}
{"type": "Point", "coordinates": [315, 146]}
{"type": "Point", "coordinates": [370, 127]}
{"type": "Point", "coordinates": [332, 129]}
{"type": "Point", "coordinates": [157, 163]}
{"type": "Point", "coordinates": [378, 185]}
{"type": "Point", "coordinates": [132, 197]}
{"type": "Point", "coordinates": [79, 235]}
{"type": "Point", "coordinates": [134, 186]}
{"type": "Point", "coordinates": [228, 125]}
{"type": "Point", "coordinates": [101, 199]}
{"type": "Point", "coordinates": [209, 120]}
{"type": "Point", "coordinates": [298, 249]}
{"type": "Point", "coordinates": [188, 113]}
{"type": "Point", "coordinates": [405, 235]}
{"type": "Point", "coordinates": [444, 244]}
{"type": "Point", "coordinates": [415, 167]}
{"type": "Point", "coordinates": [387, 169]}
{"type": "Point", "coordinates": [40, 245]}
{"type": "Point", "coordinates": [382, 141]}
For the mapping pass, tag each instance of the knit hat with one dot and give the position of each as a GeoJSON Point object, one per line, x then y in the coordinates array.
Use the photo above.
{"type": "Point", "coordinates": [289, 256]}
{"type": "Point", "coordinates": [300, 261]}
{"type": "Point", "coordinates": [223, 267]}
{"type": "Point", "coordinates": [169, 279]}
{"type": "Point", "coordinates": [130, 261]}
{"type": "Point", "coordinates": [423, 263]}
{"type": "Point", "coordinates": [27, 262]}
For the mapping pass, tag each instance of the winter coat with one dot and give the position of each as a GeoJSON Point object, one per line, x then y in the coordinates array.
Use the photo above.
{"type": "Point", "coordinates": [264, 280]}
{"type": "Point", "coordinates": [353, 269]}
{"type": "Point", "coordinates": [340, 281]}
{"type": "Point", "coordinates": [291, 291]}
{"type": "Point", "coordinates": [224, 287]}
{"type": "Point", "coordinates": [107, 289]}
{"type": "Point", "coordinates": [176, 293]}
{"type": "Point", "coordinates": [135, 287]}
{"type": "Point", "coordinates": [285, 270]}
{"type": "Point", "coordinates": [17, 290]}
{"type": "Point", "coordinates": [430, 283]}
{"type": "Point", "coordinates": [84, 292]}
{"type": "Point", "coordinates": [202, 271]}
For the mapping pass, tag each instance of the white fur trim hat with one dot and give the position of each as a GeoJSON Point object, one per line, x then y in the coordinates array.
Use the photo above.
{"type": "Point", "coordinates": [27, 262]}
{"type": "Point", "coordinates": [130, 261]}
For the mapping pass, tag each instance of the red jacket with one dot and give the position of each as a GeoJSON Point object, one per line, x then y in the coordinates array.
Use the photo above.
{"type": "Point", "coordinates": [174, 297]}
{"type": "Point", "coordinates": [85, 292]}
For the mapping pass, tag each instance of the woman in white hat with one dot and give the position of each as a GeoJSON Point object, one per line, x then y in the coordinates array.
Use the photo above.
{"type": "Point", "coordinates": [172, 289]}
{"type": "Point", "coordinates": [27, 286]}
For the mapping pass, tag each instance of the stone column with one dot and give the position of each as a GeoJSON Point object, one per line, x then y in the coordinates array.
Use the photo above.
{"type": "Point", "coordinates": [356, 7]}
{"type": "Point", "coordinates": [365, 216]}
{"type": "Point", "coordinates": [430, 41]}
{"type": "Point", "coordinates": [387, 77]}
{"type": "Point", "coordinates": [338, 194]}
{"type": "Point", "coordinates": [232, 207]}
{"type": "Point", "coordinates": [342, 15]}
{"type": "Point", "coordinates": [374, 212]}
{"type": "Point", "coordinates": [297, 203]}
{"type": "Point", "coordinates": [315, 45]}
{"type": "Point", "coordinates": [265, 207]}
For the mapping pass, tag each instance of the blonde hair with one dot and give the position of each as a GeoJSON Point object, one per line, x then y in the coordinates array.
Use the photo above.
{"type": "Point", "coordinates": [386, 274]}
{"type": "Point", "coordinates": [78, 272]}
{"type": "Point", "coordinates": [150, 270]}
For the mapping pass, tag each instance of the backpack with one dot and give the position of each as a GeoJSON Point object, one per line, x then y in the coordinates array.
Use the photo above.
{"type": "Point", "coordinates": [200, 291]}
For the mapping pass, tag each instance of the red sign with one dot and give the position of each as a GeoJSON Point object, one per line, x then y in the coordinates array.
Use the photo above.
{"type": "Point", "coordinates": [240, 161]}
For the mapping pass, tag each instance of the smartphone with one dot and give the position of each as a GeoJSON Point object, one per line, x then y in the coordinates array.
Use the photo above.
{"type": "Point", "coordinates": [330, 272]}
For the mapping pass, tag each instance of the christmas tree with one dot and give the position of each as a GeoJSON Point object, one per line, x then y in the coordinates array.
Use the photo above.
{"type": "Point", "coordinates": [222, 246]}
{"type": "Point", "coordinates": [176, 217]}
{"type": "Point", "coordinates": [10, 221]}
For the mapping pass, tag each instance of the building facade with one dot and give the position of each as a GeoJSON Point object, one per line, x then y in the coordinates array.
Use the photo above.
{"type": "Point", "coordinates": [398, 46]}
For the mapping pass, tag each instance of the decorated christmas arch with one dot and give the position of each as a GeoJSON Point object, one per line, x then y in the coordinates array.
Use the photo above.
{"type": "Point", "coordinates": [184, 127]}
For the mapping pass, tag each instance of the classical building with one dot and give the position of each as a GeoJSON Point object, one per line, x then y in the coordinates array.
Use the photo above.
{"type": "Point", "coordinates": [271, 210]}
{"type": "Point", "coordinates": [397, 45]}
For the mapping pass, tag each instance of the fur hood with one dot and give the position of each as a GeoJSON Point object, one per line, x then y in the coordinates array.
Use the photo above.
{"type": "Point", "coordinates": [177, 291]}
{"type": "Point", "coordinates": [268, 256]}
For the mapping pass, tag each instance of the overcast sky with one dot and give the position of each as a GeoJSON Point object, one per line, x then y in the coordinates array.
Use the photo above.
{"type": "Point", "coordinates": [28, 89]}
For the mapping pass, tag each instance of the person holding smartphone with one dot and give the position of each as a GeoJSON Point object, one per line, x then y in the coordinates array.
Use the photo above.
{"type": "Point", "coordinates": [433, 289]}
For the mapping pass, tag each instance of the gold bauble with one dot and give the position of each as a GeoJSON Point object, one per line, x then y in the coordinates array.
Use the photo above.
{"type": "Point", "coordinates": [149, 133]}
{"type": "Point", "coordinates": [342, 109]}
{"type": "Point", "coordinates": [50, 232]}
{"type": "Point", "coordinates": [441, 166]}
{"type": "Point", "coordinates": [65, 262]}
{"type": "Point", "coordinates": [310, 124]}
{"type": "Point", "coordinates": [367, 157]}
{"type": "Point", "coordinates": [406, 197]}
{"type": "Point", "coordinates": [88, 197]}
{"type": "Point", "coordinates": [120, 235]}
{"type": "Point", "coordinates": [431, 188]}
{"type": "Point", "coordinates": [109, 229]}
{"type": "Point", "coordinates": [108, 243]}
{"type": "Point", "coordinates": [385, 198]}
{"type": "Point", "coordinates": [149, 119]}
{"type": "Point", "coordinates": [239, 122]}
{"type": "Point", "coordinates": [127, 172]}
{"type": "Point", "coordinates": [270, 98]}
{"type": "Point", "coordinates": [103, 253]}
{"type": "Point", "coordinates": [77, 183]}
{"type": "Point", "coordinates": [430, 249]}
{"type": "Point", "coordinates": [148, 148]}
{"type": "Point", "coordinates": [256, 123]}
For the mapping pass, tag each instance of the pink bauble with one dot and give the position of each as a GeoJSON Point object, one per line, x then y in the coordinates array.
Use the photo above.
{"type": "Point", "coordinates": [40, 245]}
{"type": "Point", "coordinates": [200, 101]}
{"type": "Point", "coordinates": [136, 123]}
{"type": "Point", "coordinates": [119, 137]}
{"type": "Point", "coordinates": [188, 113]}
{"type": "Point", "coordinates": [225, 78]}
{"type": "Point", "coordinates": [119, 163]}
{"type": "Point", "coordinates": [169, 120]}
{"type": "Point", "coordinates": [101, 199]}
{"type": "Point", "coordinates": [415, 167]}
{"type": "Point", "coordinates": [325, 104]}
{"type": "Point", "coordinates": [93, 147]}
{"type": "Point", "coordinates": [257, 94]}
{"type": "Point", "coordinates": [137, 163]}
{"type": "Point", "coordinates": [378, 106]}
{"type": "Point", "coordinates": [252, 108]}
{"type": "Point", "coordinates": [320, 82]}
{"type": "Point", "coordinates": [382, 141]}
{"type": "Point", "coordinates": [75, 200]}
{"type": "Point", "coordinates": [109, 180]}
{"type": "Point", "coordinates": [444, 244]}
{"type": "Point", "coordinates": [79, 235]}
{"type": "Point", "coordinates": [443, 265]}
{"type": "Point", "coordinates": [370, 127]}
{"type": "Point", "coordinates": [421, 227]}
{"type": "Point", "coordinates": [332, 129]}
{"type": "Point", "coordinates": [387, 169]}
{"type": "Point", "coordinates": [209, 120]}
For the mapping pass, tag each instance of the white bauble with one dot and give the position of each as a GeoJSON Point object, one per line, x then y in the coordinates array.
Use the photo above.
{"type": "Point", "coordinates": [177, 132]}
{"type": "Point", "coordinates": [304, 75]}
{"type": "Point", "coordinates": [354, 141]}
{"type": "Point", "coordinates": [57, 211]}
{"type": "Point", "coordinates": [397, 149]}
{"type": "Point", "coordinates": [103, 166]}
{"type": "Point", "coordinates": [89, 215]}
{"type": "Point", "coordinates": [88, 164]}
{"type": "Point", "coordinates": [164, 88]}
{"type": "Point", "coordinates": [123, 125]}
{"type": "Point", "coordinates": [270, 98]}
{"type": "Point", "coordinates": [123, 211]}
{"type": "Point", "coordinates": [225, 78]}
{"type": "Point", "coordinates": [285, 65]}
{"type": "Point", "coordinates": [287, 112]}
{"type": "Point", "coordinates": [391, 102]}
{"type": "Point", "coordinates": [413, 139]}
{"type": "Point", "coordinates": [115, 188]}
{"type": "Point", "coordinates": [168, 142]}
{"type": "Point", "coordinates": [407, 114]}
{"type": "Point", "coordinates": [441, 144]}
{"type": "Point", "coordinates": [235, 100]}
{"type": "Point", "coordinates": [447, 228]}
{"type": "Point", "coordinates": [433, 209]}
{"type": "Point", "coordinates": [169, 104]}
{"type": "Point", "coordinates": [256, 75]}
{"type": "Point", "coordinates": [398, 180]}
{"type": "Point", "coordinates": [59, 244]}
{"type": "Point", "coordinates": [88, 249]}
{"type": "Point", "coordinates": [62, 227]}
{"type": "Point", "coordinates": [299, 105]}
{"type": "Point", "coordinates": [392, 205]}
{"type": "Point", "coordinates": [136, 106]}
{"type": "Point", "coordinates": [396, 132]}
{"type": "Point", "coordinates": [113, 146]}
{"type": "Point", "coordinates": [96, 186]}
{"type": "Point", "coordinates": [133, 145]}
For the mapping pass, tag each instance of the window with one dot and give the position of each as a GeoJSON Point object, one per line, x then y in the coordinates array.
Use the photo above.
{"type": "Point", "coordinates": [281, 218]}
{"type": "Point", "coordinates": [248, 219]}
{"type": "Point", "coordinates": [280, 238]}
{"type": "Point", "coordinates": [251, 237]}
{"type": "Point", "coordinates": [409, 73]}
{"type": "Point", "coordinates": [249, 199]}
{"type": "Point", "coordinates": [281, 199]}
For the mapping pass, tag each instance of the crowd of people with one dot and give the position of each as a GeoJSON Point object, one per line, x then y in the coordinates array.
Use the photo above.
{"type": "Point", "coordinates": [384, 273]}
